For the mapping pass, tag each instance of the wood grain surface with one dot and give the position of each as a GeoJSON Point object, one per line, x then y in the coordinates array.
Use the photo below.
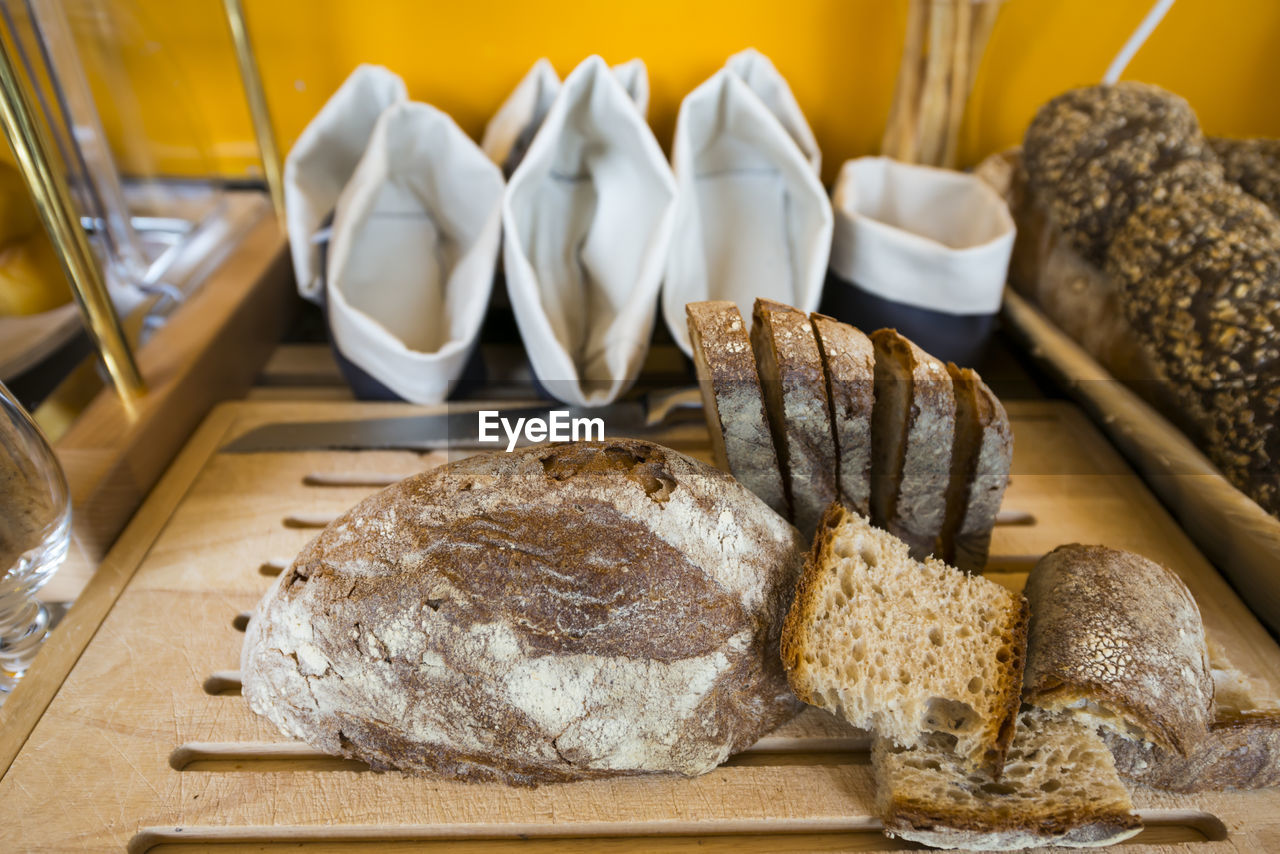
{"type": "Point", "coordinates": [129, 733]}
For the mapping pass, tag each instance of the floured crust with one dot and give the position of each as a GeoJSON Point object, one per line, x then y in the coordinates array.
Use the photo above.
{"type": "Point", "coordinates": [980, 466]}
{"type": "Point", "coordinates": [733, 401]}
{"type": "Point", "coordinates": [559, 613]}
{"type": "Point", "coordinates": [848, 360]}
{"type": "Point", "coordinates": [1241, 751]}
{"type": "Point", "coordinates": [1059, 788]}
{"type": "Point", "coordinates": [911, 467]}
{"type": "Point", "coordinates": [1117, 640]}
{"type": "Point", "coordinates": [795, 394]}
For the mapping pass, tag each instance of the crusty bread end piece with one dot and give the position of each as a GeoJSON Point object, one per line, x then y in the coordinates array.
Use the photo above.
{"type": "Point", "coordinates": [848, 359]}
{"type": "Point", "coordinates": [1116, 640]}
{"type": "Point", "coordinates": [1241, 751]}
{"type": "Point", "coordinates": [902, 647]}
{"type": "Point", "coordinates": [979, 471]}
{"type": "Point", "coordinates": [733, 402]}
{"type": "Point", "coordinates": [795, 396]}
{"type": "Point", "coordinates": [912, 433]}
{"type": "Point", "coordinates": [1059, 787]}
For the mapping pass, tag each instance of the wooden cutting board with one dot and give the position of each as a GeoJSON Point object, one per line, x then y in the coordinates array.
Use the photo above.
{"type": "Point", "coordinates": [130, 732]}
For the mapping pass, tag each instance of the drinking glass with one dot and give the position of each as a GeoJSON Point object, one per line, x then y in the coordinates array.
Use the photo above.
{"type": "Point", "coordinates": [35, 529]}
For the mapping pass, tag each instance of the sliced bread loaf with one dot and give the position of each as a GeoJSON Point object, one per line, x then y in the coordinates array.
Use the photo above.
{"type": "Point", "coordinates": [795, 395]}
{"type": "Point", "coordinates": [1116, 640]}
{"type": "Point", "coordinates": [1059, 787]}
{"type": "Point", "coordinates": [1241, 751]}
{"type": "Point", "coordinates": [732, 400]}
{"type": "Point", "coordinates": [979, 471]}
{"type": "Point", "coordinates": [902, 647]}
{"type": "Point", "coordinates": [848, 360]}
{"type": "Point", "coordinates": [912, 434]}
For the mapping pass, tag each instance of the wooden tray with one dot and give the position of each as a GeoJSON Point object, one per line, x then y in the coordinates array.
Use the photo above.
{"type": "Point", "coordinates": [129, 731]}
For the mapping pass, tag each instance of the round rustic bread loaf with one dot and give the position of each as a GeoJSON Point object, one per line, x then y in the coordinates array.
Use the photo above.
{"type": "Point", "coordinates": [1091, 154]}
{"type": "Point", "coordinates": [558, 613]}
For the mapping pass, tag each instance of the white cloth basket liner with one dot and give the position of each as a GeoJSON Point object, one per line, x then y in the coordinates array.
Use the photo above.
{"type": "Point", "coordinates": [411, 261]}
{"type": "Point", "coordinates": [587, 218]}
{"type": "Point", "coordinates": [752, 219]}
{"type": "Point", "coordinates": [323, 159]}
{"type": "Point", "coordinates": [760, 74]}
{"type": "Point", "coordinates": [508, 134]}
{"type": "Point", "coordinates": [921, 236]}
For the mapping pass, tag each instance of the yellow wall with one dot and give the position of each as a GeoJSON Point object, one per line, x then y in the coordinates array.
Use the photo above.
{"type": "Point", "coordinates": [840, 57]}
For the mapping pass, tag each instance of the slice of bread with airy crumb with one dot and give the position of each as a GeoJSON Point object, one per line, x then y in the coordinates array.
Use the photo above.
{"type": "Point", "coordinates": [912, 433]}
{"type": "Point", "coordinates": [848, 359]}
{"type": "Point", "coordinates": [1241, 751]}
{"type": "Point", "coordinates": [1059, 787]}
{"type": "Point", "coordinates": [979, 471]}
{"type": "Point", "coordinates": [1116, 640]}
{"type": "Point", "coordinates": [795, 397]}
{"type": "Point", "coordinates": [733, 402]}
{"type": "Point", "coordinates": [902, 647]}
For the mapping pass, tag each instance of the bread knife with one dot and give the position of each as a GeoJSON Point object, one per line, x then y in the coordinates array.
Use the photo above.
{"type": "Point", "coordinates": [458, 429]}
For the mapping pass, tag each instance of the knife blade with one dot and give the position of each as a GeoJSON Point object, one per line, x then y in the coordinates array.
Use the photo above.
{"type": "Point", "coordinates": [459, 428]}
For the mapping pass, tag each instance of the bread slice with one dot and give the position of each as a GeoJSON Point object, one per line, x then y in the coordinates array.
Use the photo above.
{"type": "Point", "coordinates": [902, 647]}
{"type": "Point", "coordinates": [733, 402]}
{"type": "Point", "coordinates": [848, 360]}
{"type": "Point", "coordinates": [1241, 751]}
{"type": "Point", "coordinates": [1116, 640]}
{"type": "Point", "coordinates": [980, 465]}
{"type": "Point", "coordinates": [912, 433]}
{"type": "Point", "coordinates": [795, 397]}
{"type": "Point", "coordinates": [1059, 788]}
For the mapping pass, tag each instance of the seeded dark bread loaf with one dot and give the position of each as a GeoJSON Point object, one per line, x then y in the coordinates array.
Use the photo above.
{"type": "Point", "coordinates": [1116, 640]}
{"type": "Point", "coordinates": [912, 435]}
{"type": "Point", "coordinates": [1092, 153]}
{"type": "Point", "coordinates": [848, 360]}
{"type": "Point", "coordinates": [558, 613]}
{"type": "Point", "coordinates": [979, 471]}
{"type": "Point", "coordinates": [902, 647]}
{"type": "Point", "coordinates": [1254, 164]}
{"type": "Point", "coordinates": [733, 401]}
{"type": "Point", "coordinates": [1198, 268]}
{"type": "Point", "coordinates": [795, 396]}
{"type": "Point", "coordinates": [1241, 751]}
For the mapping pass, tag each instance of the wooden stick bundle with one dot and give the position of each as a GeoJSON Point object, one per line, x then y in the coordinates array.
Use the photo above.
{"type": "Point", "coordinates": [933, 85]}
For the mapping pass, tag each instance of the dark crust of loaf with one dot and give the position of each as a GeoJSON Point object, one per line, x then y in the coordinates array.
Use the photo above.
{"type": "Point", "coordinates": [941, 827]}
{"type": "Point", "coordinates": [418, 602]}
{"type": "Point", "coordinates": [807, 602]}
{"type": "Point", "coordinates": [918, 510]}
{"type": "Point", "coordinates": [1254, 164]}
{"type": "Point", "coordinates": [848, 360]}
{"type": "Point", "coordinates": [979, 471]}
{"type": "Point", "coordinates": [1242, 751]}
{"type": "Point", "coordinates": [733, 400]}
{"type": "Point", "coordinates": [799, 412]}
{"type": "Point", "coordinates": [1092, 153]}
{"type": "Point", "coordinates": [1199, 269]}
{"type": "Point", "coordinates": [1116, 629]}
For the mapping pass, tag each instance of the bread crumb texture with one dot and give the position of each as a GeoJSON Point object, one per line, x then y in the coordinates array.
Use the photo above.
{"type": "Point", "coordinates": [903, 647]}
{"type": "Point", "coordinates": [1059, 787]}
{"type": "Point", "coordinates": [558, 613]}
